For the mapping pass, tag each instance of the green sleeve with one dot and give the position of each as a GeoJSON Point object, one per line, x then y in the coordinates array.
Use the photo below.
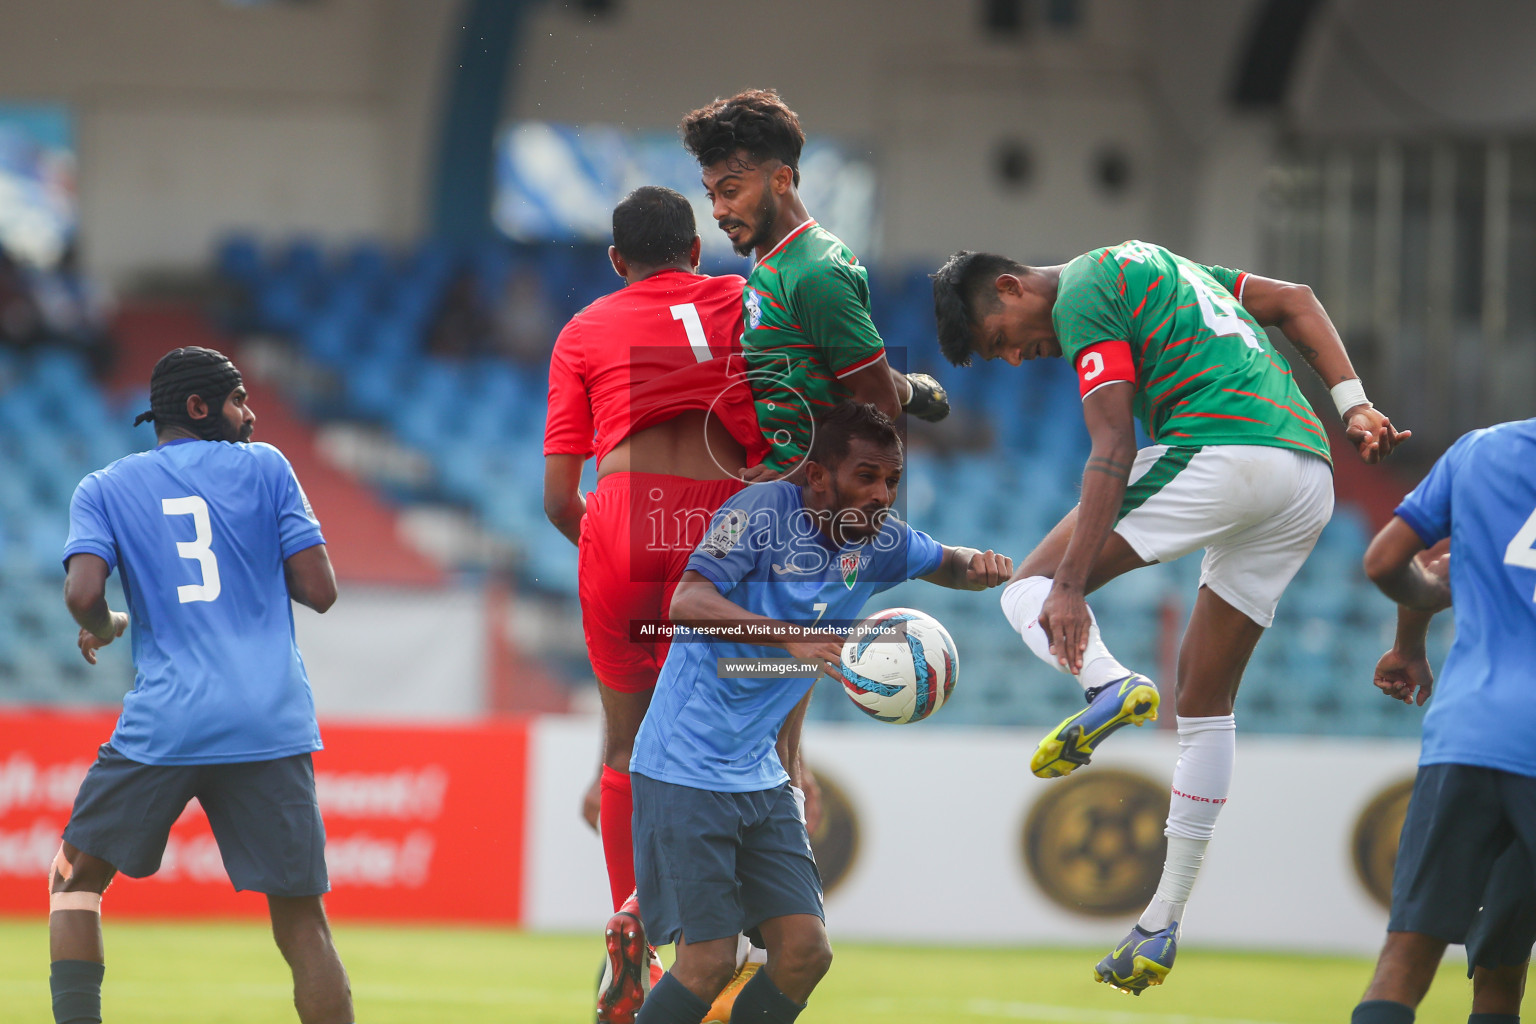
{"type": "Point", "coordinates": [1225, 276]}
{"type": "Point", "coordinates": [1090, 304]}
{"type": "Point", "coordinates": [832, 306]}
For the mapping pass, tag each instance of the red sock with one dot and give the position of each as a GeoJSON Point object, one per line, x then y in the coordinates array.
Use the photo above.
{"type": "Point", "coordinates": [616, 808]}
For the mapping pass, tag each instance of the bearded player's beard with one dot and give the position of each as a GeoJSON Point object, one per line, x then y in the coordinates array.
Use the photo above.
{"type": "Point", "coordinates": [768, 213]}
{"type": "Point", "coordinates": [845, 530]}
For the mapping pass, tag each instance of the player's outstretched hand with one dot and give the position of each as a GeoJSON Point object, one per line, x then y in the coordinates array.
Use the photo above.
{"type": "Point", "coordinates": [929, 400]}
{"type": "Point", "coordinates": [1372, 433]}
{"type": "Point", "coordinates": [1405, 676]}
{"type": "Point", "coordinates": [988, 569]}
{"type": "Point", "coordinates": [90, 643]}
{"type": "Point", "coordinates": [822, 646]}
{"type": "Point", "coordinates": [1066, 621]}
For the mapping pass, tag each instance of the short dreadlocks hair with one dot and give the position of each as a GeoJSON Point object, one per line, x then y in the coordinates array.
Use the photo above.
{"type": "Point", "coordinates": [964, 291]}
{"type": "Point", "coordinates": [182, 373]}
{"type": "Point", "coordinates": [756, 122]}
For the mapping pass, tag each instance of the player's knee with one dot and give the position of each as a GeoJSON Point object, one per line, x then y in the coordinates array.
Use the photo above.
{"type": "Point", "coordinates": [298, 923]}
{"type": "Point", "coordinates": [1200, 700]}
{"type": "Point", "coordinates": [705, 971]}
{"type": "Point", "coordinates": [82, 873]}
{"type": "Point", "coordinates": [808, 956]}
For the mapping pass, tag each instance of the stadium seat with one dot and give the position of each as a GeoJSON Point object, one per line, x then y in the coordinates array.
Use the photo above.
{"type": "Point", "coordinates": [238, 259]}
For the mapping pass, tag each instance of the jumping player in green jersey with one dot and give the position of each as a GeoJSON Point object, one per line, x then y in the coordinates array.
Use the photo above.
{"type": "Point", "coordinates": [1238, 466]}
{"type": "Point", "coordinates": [809, 341]}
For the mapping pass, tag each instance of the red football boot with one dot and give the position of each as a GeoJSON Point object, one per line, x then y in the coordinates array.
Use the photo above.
{"type": "Point", "coordinates": [630, 969]}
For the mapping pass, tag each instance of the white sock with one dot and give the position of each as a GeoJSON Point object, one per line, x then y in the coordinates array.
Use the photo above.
{"type": "Point", "coordinates": [1022, 601]}
{"type": "Point", "coordinates": [1201, 781]}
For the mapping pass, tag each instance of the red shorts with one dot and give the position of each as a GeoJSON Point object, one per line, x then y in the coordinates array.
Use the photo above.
{"type": "Point", "coordinates": [636, 536]}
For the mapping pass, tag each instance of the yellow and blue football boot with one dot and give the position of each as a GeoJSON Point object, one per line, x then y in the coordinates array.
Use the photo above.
{"type": "Point", "coordinates": [1129, 701]}
{"type": "Point", "coordinates": [1141, 961]}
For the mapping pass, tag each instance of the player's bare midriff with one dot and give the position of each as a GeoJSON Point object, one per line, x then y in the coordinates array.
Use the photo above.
{"type": "Point", "coordinates": [674, 447]}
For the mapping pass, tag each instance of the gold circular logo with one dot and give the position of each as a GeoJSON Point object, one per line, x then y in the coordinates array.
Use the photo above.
{"type": "Point", "coordinates": [1094, 843]}
{"type": "Point", "coordinates": [836, 839]}
{"type": "Point", "coordinates": [1375, 841]}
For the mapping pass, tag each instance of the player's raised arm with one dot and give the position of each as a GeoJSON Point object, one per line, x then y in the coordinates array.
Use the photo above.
{"type": "Point", "coordinates": [876, 385]}
{"type": "Point", "coordinates": [698, 604]}
{"type": "Point", "coordinates": [970, 569]}
{"type": "Point", "coordinates": [1305, 323]}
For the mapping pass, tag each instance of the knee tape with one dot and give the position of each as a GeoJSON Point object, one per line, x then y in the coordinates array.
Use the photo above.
{"type": "Point", "coordinates": [88, 901]}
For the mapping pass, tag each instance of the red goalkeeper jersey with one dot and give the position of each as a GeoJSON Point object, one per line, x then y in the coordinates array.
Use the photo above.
{"type": "Point", "coordinates": [645, 353]}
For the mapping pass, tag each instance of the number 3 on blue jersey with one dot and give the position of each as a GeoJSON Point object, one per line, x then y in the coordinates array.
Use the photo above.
{"type": "Point", "coordinates": [1522, 548]}
{"type": "Point", "coordinates": [198, 548]}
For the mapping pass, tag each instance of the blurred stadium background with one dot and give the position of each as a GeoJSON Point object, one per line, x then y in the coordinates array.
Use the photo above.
{"type": "Point", "coordinates": [385, 210]}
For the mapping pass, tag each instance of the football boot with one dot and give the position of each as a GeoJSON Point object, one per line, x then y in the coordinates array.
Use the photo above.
{"type": "Point", "coordinates": [1141, 961]}
{"type": "Point", "coordinates": [630, 968]}
{"type": "Point", "coordinates": [1069, 746]}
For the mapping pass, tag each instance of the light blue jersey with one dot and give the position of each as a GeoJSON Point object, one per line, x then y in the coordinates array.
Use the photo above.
{"type": "Point", "coordinates": [1482, 494]}
{"type": "Point", "coordinates": [199, 531]}
{"type": "Point", "coordinates": [764, 553]}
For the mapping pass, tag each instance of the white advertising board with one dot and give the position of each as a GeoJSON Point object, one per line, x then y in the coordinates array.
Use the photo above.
{"type": "Point", "coordinates": [929, 843]}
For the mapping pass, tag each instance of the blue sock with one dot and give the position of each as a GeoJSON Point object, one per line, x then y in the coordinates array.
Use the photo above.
{"type": "Point", "coordinates": [761, 1002]}
{"type": "Point", "coordinates": [1382, 1011]}
{"type": "Point", "coordinates": [670, 1002]}
{"type": "Point", "coordinates": [1494, 1018]}
{"type": "Point", "coordinates": [76, 986]}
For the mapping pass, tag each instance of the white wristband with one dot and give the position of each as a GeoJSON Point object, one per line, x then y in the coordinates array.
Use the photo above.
{"type": "Point", "coordinates": [1347, 394]}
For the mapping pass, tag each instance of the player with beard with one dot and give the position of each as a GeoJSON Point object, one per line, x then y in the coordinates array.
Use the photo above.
{"type": "Point", "coordinates": [721, 845]}
{"type": "Point", "coordinates": [809, 341]}
{"type": "Point", "coordinates": [214, 538]}
{"type": "Point", "coordinates": [649, 382]}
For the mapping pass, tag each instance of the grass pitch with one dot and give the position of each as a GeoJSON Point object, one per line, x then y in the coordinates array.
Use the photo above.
{"type": "Point", "coordinates": [232, 974]}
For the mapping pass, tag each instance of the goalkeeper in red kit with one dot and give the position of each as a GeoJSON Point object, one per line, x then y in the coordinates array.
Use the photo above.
{"type": "Point", "coordinates": [645, 381]}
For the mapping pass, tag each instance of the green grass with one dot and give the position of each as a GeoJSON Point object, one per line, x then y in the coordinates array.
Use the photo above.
{"type": "Point", "coordinates": [231, 973]}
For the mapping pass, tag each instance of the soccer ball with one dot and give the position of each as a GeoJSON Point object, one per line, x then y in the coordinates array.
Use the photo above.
{"type": "Point", "coordinates": [905, 672]}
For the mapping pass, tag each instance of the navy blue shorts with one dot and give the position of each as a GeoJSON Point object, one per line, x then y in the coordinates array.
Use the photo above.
{"type": "Point", "coordinates": [1464, 863]}
{"type": "Point", "coordinates": [264, 816]}
{"type": "Point", "coordinates": [712, 865]}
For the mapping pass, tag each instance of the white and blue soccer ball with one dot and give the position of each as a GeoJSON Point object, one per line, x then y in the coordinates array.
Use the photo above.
{"type": "Point", "coordinates": [900, 666]}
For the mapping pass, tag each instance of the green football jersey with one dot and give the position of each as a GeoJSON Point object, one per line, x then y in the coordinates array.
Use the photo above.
{"type": "Point", "coordinates": [1205, 371]}
{"type": "Point", "coordinates": [806, 311]}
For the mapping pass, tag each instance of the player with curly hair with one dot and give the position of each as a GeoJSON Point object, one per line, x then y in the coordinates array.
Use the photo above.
{"type": "Point", "coordinates": [809, 341]}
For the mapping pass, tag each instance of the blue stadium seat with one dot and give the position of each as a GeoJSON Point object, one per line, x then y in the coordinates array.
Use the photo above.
{"type": "Point", "coordinates": [238, 258]}
{"type": "Point", "coordinates": [302, 259]}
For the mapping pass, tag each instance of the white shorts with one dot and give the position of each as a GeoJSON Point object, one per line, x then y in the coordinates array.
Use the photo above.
{"type": "Point", "coordinates": [1256, 510]}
